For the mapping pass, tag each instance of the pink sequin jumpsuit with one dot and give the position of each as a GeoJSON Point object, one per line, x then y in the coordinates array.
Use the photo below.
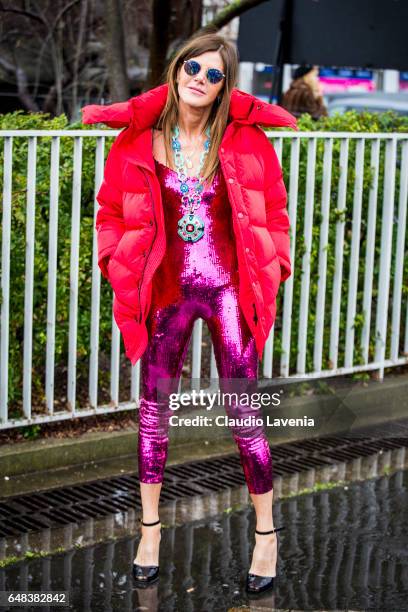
{"type": "Point", "coordinates": [198, 280]}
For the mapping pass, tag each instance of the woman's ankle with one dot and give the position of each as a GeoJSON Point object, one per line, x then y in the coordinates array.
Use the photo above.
{"type": "Point", "coordinates": [150, 519]}
{"type": "Point", "coordinates": [270, 537]}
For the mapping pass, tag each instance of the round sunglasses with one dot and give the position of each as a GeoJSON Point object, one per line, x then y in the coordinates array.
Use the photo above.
{"type": "Point", "coordinates": [213, 74]}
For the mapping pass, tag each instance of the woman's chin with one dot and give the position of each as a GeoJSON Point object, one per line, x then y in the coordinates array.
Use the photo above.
{"type": "Point", "coordinates": [197, 101]}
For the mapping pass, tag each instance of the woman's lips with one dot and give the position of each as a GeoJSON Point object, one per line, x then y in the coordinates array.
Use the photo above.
{"type": "Point", "coordinates": [197, 91]}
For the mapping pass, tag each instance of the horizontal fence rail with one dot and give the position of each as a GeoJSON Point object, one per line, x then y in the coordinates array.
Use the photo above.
{"type": "Point", "coordinates": [343, 310]}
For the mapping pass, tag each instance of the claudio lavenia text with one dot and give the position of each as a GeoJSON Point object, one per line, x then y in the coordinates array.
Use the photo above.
{"type": "Point", "coordinates": [223, 420]}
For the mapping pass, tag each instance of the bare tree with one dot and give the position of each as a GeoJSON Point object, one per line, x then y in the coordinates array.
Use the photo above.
{"type": "Point", "coordinates": [82, 50]}
{"type": "Point", "coordinates": [48, 58]}
{"type": "Point", "coordinates": [14, 71]}
{"type": "Point", "coordinates": [115, 51]}
{"type": "Point", "coordinates": [78, 54]}
{"type": "Point", "coordinates": [159, 40]}
{"type": "Point", "coordinates": [176, 21]}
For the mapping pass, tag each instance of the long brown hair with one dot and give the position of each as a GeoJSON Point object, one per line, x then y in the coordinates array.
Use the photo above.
{"type": "Point", "coordinates": [218, 117]}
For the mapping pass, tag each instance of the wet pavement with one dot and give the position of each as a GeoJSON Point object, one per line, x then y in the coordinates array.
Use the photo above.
{"type": "Point", "coordinates": [343, 548]}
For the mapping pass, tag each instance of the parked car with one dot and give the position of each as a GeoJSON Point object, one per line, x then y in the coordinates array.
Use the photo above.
{"type": "Point", "coordinates": [376, 102]}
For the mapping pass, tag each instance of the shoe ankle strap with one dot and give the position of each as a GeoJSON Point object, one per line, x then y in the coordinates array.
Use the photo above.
{"type": "Point", "coordinates": [266, 532]}
{"type": "Point", "coordinates": [149, 524]}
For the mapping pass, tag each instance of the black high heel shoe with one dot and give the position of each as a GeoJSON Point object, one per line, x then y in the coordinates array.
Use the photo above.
{"type": "Point", "coordinates": [258, 584]}
{"type": "Point", "coordinates": [146, 574]}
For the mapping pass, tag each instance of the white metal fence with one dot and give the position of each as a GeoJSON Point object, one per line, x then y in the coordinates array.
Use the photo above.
{"type": "Point", "coordinates": [343, 310]}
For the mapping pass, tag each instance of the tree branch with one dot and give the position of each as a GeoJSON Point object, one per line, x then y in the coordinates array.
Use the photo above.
{"type": "Point", "coordinates": [21, 81]}
{"type": "Point", "coordinates": [23, 14]}
{"type": "Point", "coordinates": [232, 10]}
{"type": "Point", "coordinates": [62, 12]}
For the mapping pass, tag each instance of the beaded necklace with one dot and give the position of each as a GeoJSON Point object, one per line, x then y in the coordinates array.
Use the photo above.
{"type": "Point", "coordinates": [190, 225]}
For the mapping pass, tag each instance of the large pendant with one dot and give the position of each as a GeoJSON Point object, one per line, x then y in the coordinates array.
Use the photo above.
{"type": "Point", "coordinates": [190, 227]}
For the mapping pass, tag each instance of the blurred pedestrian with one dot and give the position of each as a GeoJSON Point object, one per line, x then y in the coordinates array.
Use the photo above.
{"type": "Point", "coordinates": [305, 94]}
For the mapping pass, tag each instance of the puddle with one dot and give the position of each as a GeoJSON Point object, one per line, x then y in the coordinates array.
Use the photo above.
{"type": "Point", "coordinates": [343, 548]}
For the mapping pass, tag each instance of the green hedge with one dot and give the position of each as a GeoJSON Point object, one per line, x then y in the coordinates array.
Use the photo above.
{"type": "Point", "coordinates": [18, 120]}
{"type": "Point", "coordinates": [22, 121]}
{"type": "Point", "coordinates": [348, 122]}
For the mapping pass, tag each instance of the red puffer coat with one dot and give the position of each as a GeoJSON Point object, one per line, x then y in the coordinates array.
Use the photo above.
{"type": "Point", "coordinates": [130, 222]}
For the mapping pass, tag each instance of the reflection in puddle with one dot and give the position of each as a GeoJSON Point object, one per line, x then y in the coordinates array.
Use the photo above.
{"type": "Point", "coordinates": [344, 548]}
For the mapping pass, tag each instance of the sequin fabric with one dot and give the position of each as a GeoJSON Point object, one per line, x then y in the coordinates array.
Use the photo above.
{"type": "Point", "coordinates": [198, 280]}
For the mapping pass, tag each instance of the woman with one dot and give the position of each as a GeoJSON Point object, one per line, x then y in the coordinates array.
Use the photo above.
{"type": "Point", "coordinates": [305, 93]}
{"type": "Point", "coordinates": [176, 247]}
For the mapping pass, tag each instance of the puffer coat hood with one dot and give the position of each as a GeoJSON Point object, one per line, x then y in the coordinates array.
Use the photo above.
{"type": "Point", "coordinates": [130, 219]}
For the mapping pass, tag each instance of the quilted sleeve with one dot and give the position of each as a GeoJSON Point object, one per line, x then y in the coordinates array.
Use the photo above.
{"type": "Point", "coordinates": [116, 115]}
{"type": "Point", "coordinates": [109, 222]}
{"type": "Point", "coordinates": [277, 217]}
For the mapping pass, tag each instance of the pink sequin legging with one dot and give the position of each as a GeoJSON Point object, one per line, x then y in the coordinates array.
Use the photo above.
{"type": "Point", "coordinates": [170, 327]}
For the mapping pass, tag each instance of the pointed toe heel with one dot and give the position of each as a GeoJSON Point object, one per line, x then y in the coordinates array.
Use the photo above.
{"type": "Point", "coordinates": [259, 584]}
{"type": "Point", "coordinates": [145, 574]}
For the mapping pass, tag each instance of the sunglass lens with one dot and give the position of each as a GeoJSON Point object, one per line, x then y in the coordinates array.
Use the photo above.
{"type": "Point", "coordinates": [214, 75]}
{"type": "Point", "coordinates": [192, 67]}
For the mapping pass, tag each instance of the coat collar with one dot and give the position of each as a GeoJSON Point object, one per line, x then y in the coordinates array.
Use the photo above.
{"type": "Point", "coordinates": [141, 113]}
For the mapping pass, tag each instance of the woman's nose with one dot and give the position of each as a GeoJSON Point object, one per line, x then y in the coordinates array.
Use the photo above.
{"type": "Point", "coordinates": [200, 75]}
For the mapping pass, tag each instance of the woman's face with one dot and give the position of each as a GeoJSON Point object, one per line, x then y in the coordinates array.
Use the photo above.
{"type": "Point", "coordinates": [196, 90]}
{"type": "Point", "coordinates": [312, 77]}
